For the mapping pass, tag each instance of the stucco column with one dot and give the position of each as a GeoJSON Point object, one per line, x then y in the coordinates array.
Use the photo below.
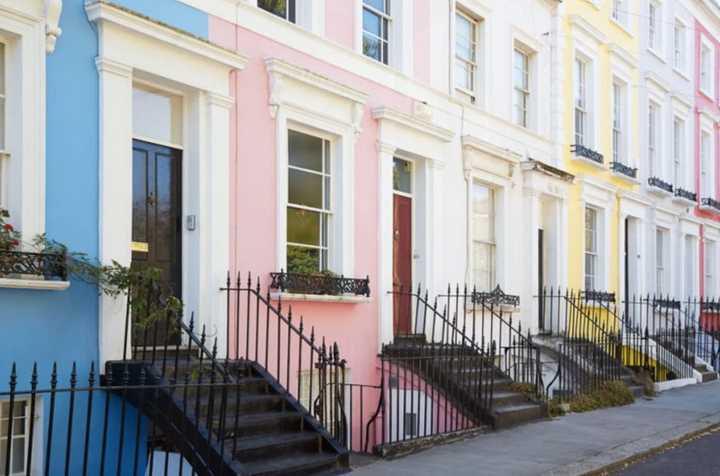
{"type": "Point", "coordinates": [214, 223]}
{"type": "Point", "coordinates": [385, 242]}
{"type": "Point", "coordinates": [529, 309]}
{"type": "Point", "coordinates": [115, 192]}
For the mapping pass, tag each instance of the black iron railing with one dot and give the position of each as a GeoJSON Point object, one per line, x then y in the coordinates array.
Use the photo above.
{"type": "Point", "coordinates": [686, 194]}
{"type": "Point", "coordinates": [22, 264]}
{"type": "Point", "coordinates": [586, 152]}
{"type": "Point", "coordinates": [304, 283]}
{"type": "Point", "coordinates": [496, 297]}
{"type": "Point", "coordinates": [710, 202]}
{"type": "Point", "coordinates": [660, 184]}
{"type": "Point", "coordinates": [623, 169]}
{"type": "Point", "coordinates": [585, 333]}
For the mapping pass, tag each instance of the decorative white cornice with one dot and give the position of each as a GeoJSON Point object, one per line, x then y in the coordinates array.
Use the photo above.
{"type": "Point", "coordinates": [107, 65]}
{"type": "Point", "coordinates": [620, 54]}
{"type": "Point", "coordinates": [473, 143]}
{"type": "Point", "coordinates": [102, 12]}
{"type": "Point", "coordinates": [220, 100]}
{"type": "Point", "coordinates": [413, 122]}
{"type": "Point", "coordinates": [586, 27]}
{"type": "Point", "coordinates": [653, 79]}
{"type": "Point", "coordinates": [679, 102]}
{"type": "Point", "coordinates": [281, 72]}
{"type": "Point", "coordinates": [385, 148]}
{"type": "Point", "coordinates": [53, 9]}
{"type": "Point", "coordinates": [709, 116]}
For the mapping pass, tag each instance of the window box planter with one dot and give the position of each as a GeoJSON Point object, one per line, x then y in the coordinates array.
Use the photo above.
{"type": "Point", "coordinates": [319, 284]}
{"type": "Point", "coordinates": [625, 171]}
{"type": "Point", "coordinates": [685, 196]}
{"type": "Point", "coordinates": [21, 269]}
{"type": "Point", "coordinates": [659, 186]}
{"type": "Point", "coordinates": [709, 203]}
{"type": "Point", "coordinates": [588, 155]}
{"type": "Point", "coordinates": [600, 297]}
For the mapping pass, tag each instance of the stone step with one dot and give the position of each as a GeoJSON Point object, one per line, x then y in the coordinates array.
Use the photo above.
{"type": "Point", "coordinates": [505, 398]}
{"type": "Point", "coordinates": [293, 465]}
{"type": "Point", "coordinates": [511, 415]}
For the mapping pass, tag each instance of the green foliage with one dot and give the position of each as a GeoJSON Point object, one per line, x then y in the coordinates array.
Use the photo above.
{"type": "Point", "coordinates": [608, 394]}
{"type": "Point", "coordinates": [301, 260]}
{"type": "Point", "coordinates": [151, 299]}
{"type": "Point", "coordinates": [529, 390]}
{"type": "Point", "coordinates": [9, 237]}
{"type": "Point", "coordinates": [643, 377]}
{"type": "Point", "coordinates": [555, 408]}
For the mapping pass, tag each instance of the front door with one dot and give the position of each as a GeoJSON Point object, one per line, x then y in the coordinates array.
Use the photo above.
{"type": "Point", "coordinates": [156, 221]}
{"type": "Point", "coordinates": [402, 263]}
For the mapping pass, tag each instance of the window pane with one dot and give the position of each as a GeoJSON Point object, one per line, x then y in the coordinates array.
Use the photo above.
{"type": "Point", "coordinates": [371, 23]}
{"type": "Point", "coordinates": [483, 213]}
{"type": "Point", "coordinates": [18, 456]}
{"type": "Point", "coordinates": [280, 8]}
{"type": "Point", "coordinates": [371, 47]}
{"type": "Point", "coordinates": [305, 151]}
{"type": "Point", "coordinates": [2, 69]}
{"type": "Point", "coordinates": [302, 260]}
{"type": "Point", "coordinates": [464, 38]}
{"type": "Point", "coordinates": [376, 4]}
{"type": "Point", "coordinates": [484, 264]}
{"type": "Point", "coordinates": [305, 188]}
{"type": "Point", "coordinates": [402, 176]}
{"type": "Point", "coordinates": [463, 75]}
{"type": "Point", "coordinates": [303, 226]}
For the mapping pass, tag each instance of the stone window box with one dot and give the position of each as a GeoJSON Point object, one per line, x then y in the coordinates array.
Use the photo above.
{"type": "Point", "coordinates": [342, 299]}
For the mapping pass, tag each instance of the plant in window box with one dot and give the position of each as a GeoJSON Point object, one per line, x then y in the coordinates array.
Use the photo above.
{"type": "Point", "coordinates": [9, 237]}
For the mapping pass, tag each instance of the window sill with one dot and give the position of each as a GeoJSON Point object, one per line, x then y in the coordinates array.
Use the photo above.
{"type": "Point", "coordinates": [619, 24]}
{"type": "Point", "coordinates": [343, 299]}
{"type": "Point", "coordinates": [625, 177]}
{"type": "Point", "coordinates": [708, 95]}
{"type": "Point", "coordinates": [659, 191]}
{"type": "Point", "coordinates": [681, 73]}
{"type": "Point", "coordinates": [34, 283]}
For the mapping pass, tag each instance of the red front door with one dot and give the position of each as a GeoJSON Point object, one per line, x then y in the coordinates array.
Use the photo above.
{"type": "Point", "coordinates": [402, 264]}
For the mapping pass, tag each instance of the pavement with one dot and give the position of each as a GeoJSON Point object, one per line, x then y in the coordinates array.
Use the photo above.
{"type": "Point", "coordinates": [574, 444]}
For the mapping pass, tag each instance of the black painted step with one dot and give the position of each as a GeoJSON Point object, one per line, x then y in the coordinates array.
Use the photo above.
{"type": "Point", "coordinates": [260, 424]}
{"type": "Point", "coordinates": [240, 403]}
{"type": "Point", "coordinates": [251, 448]}
{"type": "Point", "coordinates": [294, 464]}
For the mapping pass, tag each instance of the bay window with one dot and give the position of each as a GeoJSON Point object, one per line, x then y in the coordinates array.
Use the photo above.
{"type": "Point", "coordinates": [592, 249]}
{"type": "Point", "coordinates": [309, 207]}
{"type": "Point", "coordinates": [376, 29]}
{"type": "Point", "coordinates": [466, 53]}
{"type": "Point", "coordinates": [483, 234]}
{"type": "Point", "coordinates": [521, 87]}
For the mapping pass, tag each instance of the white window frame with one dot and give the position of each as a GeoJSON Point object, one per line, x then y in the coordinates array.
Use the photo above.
{"type": "Point", "coordinates": [654, 140]}
{"type": "Point", "coordinates": [679, 60]}
{"type": "Point", "coordinates": [709, 265]}
{"type": "Point", "coordinates": [655, 27]}
{"type": "Point", "coordinates": [619, 121]}
{"type": "Point", "coordinates": [328, 147]}
{"type": "Point", "coordinates": [596, 253]}
{"type": "Point", "coordinates": [583, 95]}
{"type": "Point", "coordinates": [22, 161]}
{"type": "Point", "coordinates": [524, 90]}
{"type": "Point", "coordinates": [619, 13]}
{"type": "Point", "coordinates": [474, 63]}
{"type": "Point", "coordinates": [491, 244]}
{"type": "Point", "coordinates": [37, 453]}
{"type": "Point", "coordinates": [707, 164]}
{"type": "Point", "coordinates": [310, 15]}
{"type": "Point", "coordinates": [707, 89]}
{"type": "Point", "coordinates": [386, 15]}
{"type": "Point", "coordinates": [679, 152]}
{"type": "Point", "coordinates": [287, 10]}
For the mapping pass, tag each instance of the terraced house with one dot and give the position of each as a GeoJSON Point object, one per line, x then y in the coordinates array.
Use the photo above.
{"type": "Point", "coordinates": [292, 231]}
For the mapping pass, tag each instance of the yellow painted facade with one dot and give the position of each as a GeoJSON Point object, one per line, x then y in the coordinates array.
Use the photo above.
{"type": "Point", "coordinates": [591, 33]}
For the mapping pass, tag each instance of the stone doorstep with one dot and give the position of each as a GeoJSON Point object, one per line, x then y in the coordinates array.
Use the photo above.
{"type": "Point", "coordinates": [621, 455]}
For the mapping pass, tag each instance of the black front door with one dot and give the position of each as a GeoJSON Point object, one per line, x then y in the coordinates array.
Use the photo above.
{"type": "Point", "coordinates": [156, 220]}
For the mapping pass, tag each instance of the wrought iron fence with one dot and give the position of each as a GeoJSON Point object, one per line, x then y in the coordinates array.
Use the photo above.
{"type": "Point", "coordinates": [305, 283]}
{"type": "Point", "coordinates": [50, 266]}
{"type": "Point", "coordinates": [586, 152]}
{"type": "Point", "coordinates": [686, 194]}
{"type": "Point", "coordinates": [624, 169]}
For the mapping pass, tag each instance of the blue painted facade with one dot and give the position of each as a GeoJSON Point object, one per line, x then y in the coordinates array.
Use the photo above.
{"type": "Point", "coordinates": [62, 326]}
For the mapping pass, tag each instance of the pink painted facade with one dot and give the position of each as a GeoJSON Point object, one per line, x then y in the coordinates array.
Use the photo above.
{"type": "Point", "coordinates": [711, 106]}
{"type": "Point", "coordinates": [253, 177]}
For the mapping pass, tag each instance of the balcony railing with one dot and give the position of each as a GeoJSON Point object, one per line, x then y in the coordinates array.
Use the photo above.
{"type": "Point", "coordinates": [660, 184]}
{"type": "Point", "coordinates": [623, 169]}
{"type": "Point", "coordinates": [496, 297]}
{"type": "Point", "coordinates": [686, 194]}
{"type": "Point", "coordinates": [320, 284]}
{"type": "Point", "coordinates": [598, 296]}
{"type": "Point", "coordinates": [21, 264]}
{"type": "Point", "coordinates": [666, 303]}
{"type": "Point", "coordinates": [709, 202]}
{"type": "Point", "coordinates": [586, 152]}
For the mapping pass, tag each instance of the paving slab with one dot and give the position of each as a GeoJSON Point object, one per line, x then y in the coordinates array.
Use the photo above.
{"type": "Point", "coordinates": [571, 445]}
